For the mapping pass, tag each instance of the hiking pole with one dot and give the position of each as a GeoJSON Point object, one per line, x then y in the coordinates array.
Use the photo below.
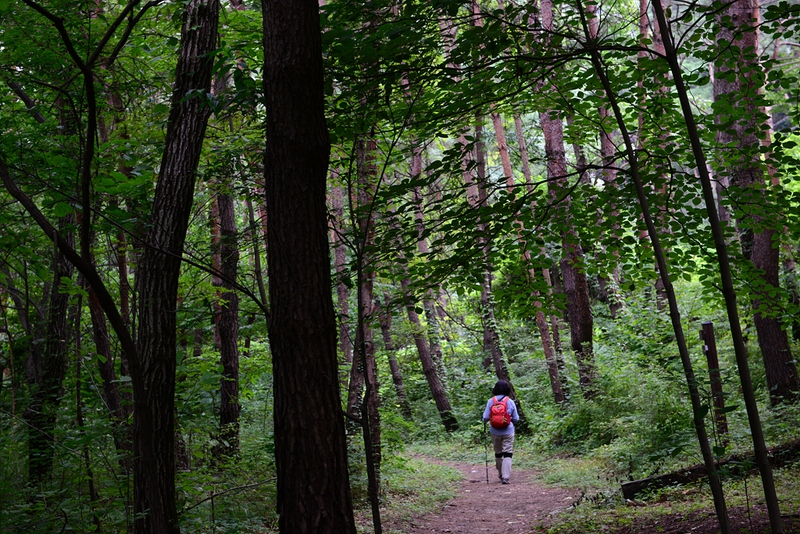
{"type": "Point", "coordinates": [486, 452]}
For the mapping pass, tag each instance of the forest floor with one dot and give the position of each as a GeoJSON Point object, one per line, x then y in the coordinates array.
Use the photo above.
{"type": "Point", "coordinates": [527, 506]}
{"type": "Point", "coordinates": [520, 507]}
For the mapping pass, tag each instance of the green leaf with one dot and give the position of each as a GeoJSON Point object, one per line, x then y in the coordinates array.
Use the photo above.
{"type": "Point", "coordinates": [62, 209]}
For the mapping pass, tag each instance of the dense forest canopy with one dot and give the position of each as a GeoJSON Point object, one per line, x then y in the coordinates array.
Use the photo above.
{"type": "Point", "coordinates": [254, 248]}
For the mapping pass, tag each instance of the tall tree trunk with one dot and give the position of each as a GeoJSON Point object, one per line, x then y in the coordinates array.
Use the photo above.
{"type": "Point", "coordinates": [674, 312]}
{"type": "Point", "coordinates": [225, 260]}
{"type": "Point", "coordinates": [355, 384]}
{"type": "Point", "coordinates": [609, 283]}
{"type": "Point", "coordinates": [428, 301]}
{"type": "Point", "coordinates": [340, 264]}
{"type": "Point", "coordinates": [117, 397]}
{"type": "Point", "coordinates": [226, 320]}
{"type": "Point", "coordinates": [651, 38]}
{"type": "Point", "coordinates": [438, 392]}
{"type": "Point", "coordinates": [555, 364]}
{"type": "Point", "coordinates": [663, 170]}
{"type": "Point", "coordinates": [46, 371]}
{"type": "Point", "coordinates": [313, 487]}
{"type": "Point", "coordinates": [541, 320]}
{"type": "Point", "coordinates": [743, 167]}
{"type": "Point", "coordinates": [491, 337]}
{"type": "Point", "coordinates": [120, 406]}
{"type": "Point", "coordinates": [385, 316]}
{"type": "Point", "coordinates": [728, 290]}
{"type": "Point", "coordinates": [477, 195]}
{"type": "Point", "coordinates": [157, 281]}
{"type": "Point", "coordinates": [365, 217]}
{"type": "Point", "coordinates": [572, 270]}
{"type": "Point", "coordinates": [576, 285]}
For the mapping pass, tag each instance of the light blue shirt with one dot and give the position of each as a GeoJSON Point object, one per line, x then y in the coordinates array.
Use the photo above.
{"type": "Point", "coordinates": [512, 411]}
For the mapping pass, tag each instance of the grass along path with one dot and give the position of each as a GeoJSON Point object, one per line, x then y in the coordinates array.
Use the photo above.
{"type": "Point", "coordinates": [521, 507]}
{"type": "Point", "coordinates": [458, 500]}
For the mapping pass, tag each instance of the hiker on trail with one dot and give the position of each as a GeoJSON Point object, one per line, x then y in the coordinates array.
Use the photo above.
{"type": "Point", "coordinates": [501, 414]}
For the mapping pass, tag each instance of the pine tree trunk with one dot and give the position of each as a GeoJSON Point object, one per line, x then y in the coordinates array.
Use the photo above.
{"type": "Point", "coordinates": [365, 357]}
{"type": "Point", "coordinates": [385, 316]}
{"type": "Point", "coordinates": [475, 161]}
{"type": "Point", "coordinates": [428, 302]}
{"type": "Point", "coordinates": [364, 360]}
{"type": "Point", "coordinates": [541, 321]}
{"type": "Point", "coordinates": [438, 392]}
{"type": "Point", "coordinates": [728, 290]}
{"type": "Point", "coordinates": [226, 322]}
{"type": "Point", "coordinates": [551, 340]}
{"type": "Point", "coordinates": [743, 168]}
{"type": "Point", "coordinates": [355, 384]}
{"type": "Point", "coordinates": [313, 489]}
{"type": "Point", "coordinates": [609, 283]}
{"type": "Point", "coordinates": [576, 286]}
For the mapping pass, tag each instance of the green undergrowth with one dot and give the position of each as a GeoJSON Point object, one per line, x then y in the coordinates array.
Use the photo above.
{"type": "Point", "coordinates": [605, 513]}
{"type": "Point", "coordinates": [411, 487]}
{"type": "Point", "coordinates": [600, 506]}
{"type": "Point", "coordinates": [471, 445]}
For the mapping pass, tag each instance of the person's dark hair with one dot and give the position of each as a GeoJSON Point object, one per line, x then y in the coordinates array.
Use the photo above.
{"type": "Point", "coordinates": [502, 388]}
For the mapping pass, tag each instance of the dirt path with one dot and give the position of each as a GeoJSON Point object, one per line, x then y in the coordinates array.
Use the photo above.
{"type": "Point", "coordinates": [516, 508]}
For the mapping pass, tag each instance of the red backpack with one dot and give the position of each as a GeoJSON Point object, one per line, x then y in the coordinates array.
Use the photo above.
{"type": "Point", "coordinates": [498, 414]}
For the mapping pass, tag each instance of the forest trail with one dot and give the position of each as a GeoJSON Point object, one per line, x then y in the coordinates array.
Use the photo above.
{"type": "Point", "coordinates": [516, 508]}
{"type": "Point", "coordinates": [526, 506]}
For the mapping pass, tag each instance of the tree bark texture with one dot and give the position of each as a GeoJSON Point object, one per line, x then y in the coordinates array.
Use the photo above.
{"type": "Point", "coordinates": [119, 405]}
{"type": "Point", "coordinates": [438, 391]}
{"type": "Point", "coordinates": [737, 83]}
{"type": "Point", "coordinates": [313, 489]}
{"type": "Point", "coordinates": [550, 345]}
{"type": "Point", "coordinates": [340, 264]}
{"type": "Point", "coordinates": [429, 301]}
{"type": "Point", "coordinates": [576, 286]}
{"type": "Point", "coordinates": [491, 338]}
{"type": "Point", "coordinates": [474, 174]}
{"type": "Point", "coordinates": [385, 316]}
{"type": "Point", "coordinates": [226, 321]}
{"type": "Point", "coordinates": [46, 371]}
{"type": "Point", "coordinates": [609, 283]}
{"type": "Point", "coordinates": [541, 321]}
{"type": "Point", "coordinates": [728, 290]}
{"type": "Point", "coordinates": [364, 360]}
{"type": "Point", "coordinates": [157, 281]}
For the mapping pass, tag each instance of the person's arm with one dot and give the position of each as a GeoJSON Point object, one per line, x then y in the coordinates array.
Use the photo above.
{"type": "Point", "coordinates": [514, 412]}
{"type": "Point", "coordinates": [487, 412]}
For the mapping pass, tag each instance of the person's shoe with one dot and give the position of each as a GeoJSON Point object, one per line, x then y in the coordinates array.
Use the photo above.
{"type": "Point", "coordinates": [504, 480]}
